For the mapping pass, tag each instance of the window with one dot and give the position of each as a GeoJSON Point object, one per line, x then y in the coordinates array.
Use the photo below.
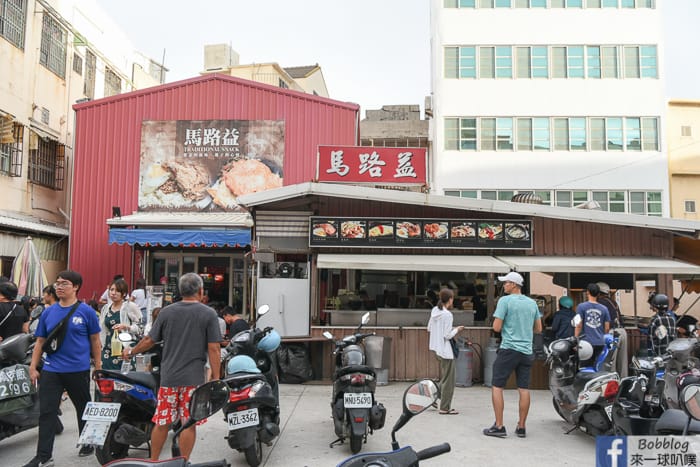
{"type": "Point", "coordinates": [487, 66]}
{"type": "Point", "coordinates": [492, 195]}
{"type": "Point", "coordinates": [648, 61]}
{"type": "Point", "coordinates": [601, 197]}
{"type": "Point", "coordinates": [561, 134]}
{"type": "Point", "coordinates": [686, 130]}
{"type": "Point", "coordinates": [452, 193]}
{"type": "Point", "coordinates": [613, 134]}
{"type": "Point", "coordinates": [631, 62]}
{"type": "Point", "coordinates": [532, 62]}
{"type": "Point", "coordinates": [609, 61]}
{"type": "Point", "coordinates": [467, 62]}
{"type": "Point", "coordinates": [598, 134]}
{"type": "Point", "coordinates": [524, 134]}
{"type": "Point", "coordinates": [113, 83]}
{"type": "Point", "coordinates": [575, 62]}
{"type": "Point", "coordinates": [609, 3]}
{"type": "Point", "coordinates": [593, 61]}
{"type": "Point", "coordinates": [592, 3]}
{"type": "Point", "coordinates": [451, 134]}
{"type": "Point", "coordinates": [541, 134]}
{"type": "Point", "coordinates": [13, 17]}
{"type": "Point", "coordinates": [538, 3]}
{"type": "Point", "coordinates": [468, 194]}
{"type": "Point", "coordinates": [11, 137]}
{"type": "Point", "coordinates": [654, 203]}
{"type": "Point", "coordinates": [577, 134]}
{"type": "Point", "coordinates": [157, 72]}
{"type": "Point", "coordinates": [645, 203]}
{"type": "Point", "coordinates": [522, 56]}
{"type": "Point", "coordinates": [467, 134]}
{"type": "Point", "coordinates": [78, 64]}
{"type": "Point", "coordinates": [633, 134]}
{"type": "Point", "coordinates": [504, 133]}
{"type": "Point", "coordinates": [616, 201]}
{"type": "Point", "coordinates": [574, 3]}
{"type": "Point", "coordinates": [503, 4]}
{"type": "Point", "coordinates": [488, 134]}
{"type": "Point", "coordinates": [467, 3]}
{"type": "Point", "coordinates": [545, 196]}
{"type": "Point", "coordinates": [451, 62]}
{"type": "Point", "coordinates": [650, 134]}
{"type": "Point", "coordinates": [46, 162]}
{"type": "Point", "coordinates": [504, 195]}
{"type": "Point", "coordinates": [282, 83]}
{"type": "Point", "coordinates": [558, 62]}
{"type": "Point", "coordinates": [627, 4]}
{"type": "Point", "coordinates": [563, 199]}
{"type": "Point", "coordinates": [689, 206]}
{"type": "Point", "coordinates": [485, 3]}
{"type": "Point", "coordinates": [90, 69]}
{"type": "Point", "coordinates": [53, 46]}
{"type": "Point", "coordinates": [557, 3]}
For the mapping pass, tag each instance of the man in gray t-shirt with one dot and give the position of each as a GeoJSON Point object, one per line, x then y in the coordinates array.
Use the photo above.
{"type": "Point", "coordinates": [189, 331]}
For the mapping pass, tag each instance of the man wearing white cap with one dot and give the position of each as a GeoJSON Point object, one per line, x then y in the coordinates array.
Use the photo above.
{"type": "Point", "coordinates": [517, 318]}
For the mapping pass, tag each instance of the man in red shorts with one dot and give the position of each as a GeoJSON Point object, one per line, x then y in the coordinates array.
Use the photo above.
{"type": "Point", "coordinates": [189, 331]}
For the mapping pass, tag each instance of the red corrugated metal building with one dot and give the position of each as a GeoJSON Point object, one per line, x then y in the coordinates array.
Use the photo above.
{"type": "Point", "coordinates": [108, 167]}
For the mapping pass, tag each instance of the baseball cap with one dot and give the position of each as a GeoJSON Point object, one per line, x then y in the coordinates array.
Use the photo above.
{"type": "Point", "coordinates": [512, 277]}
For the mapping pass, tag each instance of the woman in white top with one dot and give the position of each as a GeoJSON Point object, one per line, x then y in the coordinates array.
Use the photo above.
{"type": "Point", "coordinates": [120, 315]}
{"type": "Point", "coordinates": [441, 331]}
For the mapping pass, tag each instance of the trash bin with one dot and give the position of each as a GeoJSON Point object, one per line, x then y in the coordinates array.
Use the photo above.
{"type": "Point", "coordinates": [463, 370]}
{"type": "Point", "coordinates": [378, 356]}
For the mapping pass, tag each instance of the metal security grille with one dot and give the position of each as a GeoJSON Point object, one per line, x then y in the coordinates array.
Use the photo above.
{"type": "Point", "coordinates": [78, 64]}
{"type": "Point", "coordinates": [53, 46]}
{"type": "Point", "coordinates": [13, 17]}
{"type": "Point", "coordinates": [90, 68]}
{"type": "Point", "coordinates": [113, 84]}
{"type": "Point", "coordinates": [46, 162]}
{"type": "Point", "coordinates": [11, 137]}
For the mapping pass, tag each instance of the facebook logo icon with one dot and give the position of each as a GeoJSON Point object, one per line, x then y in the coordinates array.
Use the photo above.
{"type": "Point", "coordinates": [610, 451]}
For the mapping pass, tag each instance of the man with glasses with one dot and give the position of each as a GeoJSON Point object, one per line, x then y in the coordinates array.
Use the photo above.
{"type": "Point", "coordinates": [67, 369]}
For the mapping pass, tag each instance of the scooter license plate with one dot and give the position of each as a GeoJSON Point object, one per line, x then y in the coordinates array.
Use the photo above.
{"type": "Point", "coordinates": [608, 411]}
{"type": "Point", "coordinates": [242, 419]}
{"type": "Point", "coordinates": [101, 411]}
{"type": "Point", "coordinates": [358, 400]}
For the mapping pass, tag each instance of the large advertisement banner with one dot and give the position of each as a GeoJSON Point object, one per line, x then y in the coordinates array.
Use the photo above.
{"type": "Point", "coordinates": [375, 165]}
{"type": "Point", "coordinates": [203, 165]}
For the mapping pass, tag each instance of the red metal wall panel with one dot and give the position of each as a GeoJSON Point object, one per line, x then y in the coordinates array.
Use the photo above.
{"type": "Point", "coordinates": [107, 151]}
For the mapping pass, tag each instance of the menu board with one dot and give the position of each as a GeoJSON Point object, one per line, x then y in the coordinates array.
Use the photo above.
{"type": "Point", "coordinates": [420, 233]}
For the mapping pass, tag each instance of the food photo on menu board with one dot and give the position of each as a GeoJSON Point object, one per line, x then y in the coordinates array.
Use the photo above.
{"type": "Point", "coordinates": [353, 229]}
{"type": "Point", "coordinates": [381, 229]}
{"type": "Point", "coordinates": [408, 229]}
{"type": "Point", "coordinates": [462, 230]}
{"type": "Point", "coordinates": [491, 231]}
{"type": "Point", "coordinates": [328, 229]}
{"type": "Point", "coordinates": [437, 230]}
{"type": "Point", "coordinates": [517, 232]}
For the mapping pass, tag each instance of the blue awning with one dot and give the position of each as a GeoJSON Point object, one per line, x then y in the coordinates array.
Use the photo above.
{"type": "Point", "coordinates": [176, 237]}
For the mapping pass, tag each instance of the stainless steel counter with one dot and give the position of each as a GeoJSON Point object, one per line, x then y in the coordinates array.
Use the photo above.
{"type": "Point", "coordinates": [417, 317]}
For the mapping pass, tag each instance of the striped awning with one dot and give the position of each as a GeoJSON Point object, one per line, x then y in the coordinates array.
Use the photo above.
{"type": "Point", "coordinates": [282, 223]}
{"type": "Point", "coordinates": [181, 237]}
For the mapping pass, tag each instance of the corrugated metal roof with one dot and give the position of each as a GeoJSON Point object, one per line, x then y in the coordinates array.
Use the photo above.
{"type": "Point", "coordinates": [451, 202]}
{"type": "Point", "coordinates": [107, 150]}
{"type": "Point", "coordinates": [184, 219]}
{"type": "Point", "coordinates": [32, 226]}
{"type": "Point", "coordinates": [300, 71]}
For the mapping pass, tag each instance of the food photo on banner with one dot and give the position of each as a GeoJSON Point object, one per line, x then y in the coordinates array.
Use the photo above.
{"type": "Point", "coordinates": [204, 165]}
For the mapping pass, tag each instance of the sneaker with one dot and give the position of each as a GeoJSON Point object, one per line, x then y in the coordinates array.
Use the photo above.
{"type": "Point", "coordinates": [520, 432]}
{"type": "Point", "coordinates": [86, 450]}
{"type": "Point", "coordinates": [35, 462]}
{"type": "Point", "coordinates": [495, 431]}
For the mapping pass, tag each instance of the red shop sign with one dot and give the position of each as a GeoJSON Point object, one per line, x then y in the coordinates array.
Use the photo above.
{"type": "Point", "coordinates": [367, 164]}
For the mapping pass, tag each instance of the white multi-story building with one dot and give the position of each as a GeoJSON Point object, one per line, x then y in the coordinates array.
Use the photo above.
{"type": "Point", "coordinates": [563, 98]}
{"type": "Point", "coordinates": [53, 53]}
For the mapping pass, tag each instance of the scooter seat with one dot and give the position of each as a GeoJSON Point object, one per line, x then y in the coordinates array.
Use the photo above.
{"type": "Point", "coordinates": [674, 421]}
{"type": "Point", "coordinates": [355, 369]}
{"type": "Point", "coordinates": [174, 462]}
{"type": "Point", "coordinates": [143, 378]}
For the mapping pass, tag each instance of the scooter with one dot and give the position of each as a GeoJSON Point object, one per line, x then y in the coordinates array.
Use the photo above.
{"type": "Point", "coordinates": [206, 400]}
{"type": "Point", "coordinates": [684, 421]}
{"type": "Point", "coordinates": [19, 401]}
{"type": "Point", "coordinates": [417, 397]}
{"type": "Point", "coordinates": [126, 400]}
{"type": "Point", "coordinates": [252, 411]}
{"type": "Point", "coordinates": [582, 396]}
{"type": "Point", "coordinates": [645, 397]}
{"type": "Point", "coordinates": [353, 406]}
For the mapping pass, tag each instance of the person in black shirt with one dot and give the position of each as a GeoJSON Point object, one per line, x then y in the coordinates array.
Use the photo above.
{"type": "Point", "coordinates": [13, 317]}
{"type": "Point", "coordinates": [234, 322]}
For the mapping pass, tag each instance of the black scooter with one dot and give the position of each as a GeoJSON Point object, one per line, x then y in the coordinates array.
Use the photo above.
{"type": "Point", "coordinates": [353, 406]}
{"type": "Point", "coordinates": [417, 397]}
{"type": "Point", "coordinates": [206, 400]}
{"type": "Point", "coordinates": [19, 401]}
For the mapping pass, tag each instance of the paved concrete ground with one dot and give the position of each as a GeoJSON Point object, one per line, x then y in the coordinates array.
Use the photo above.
{"type": "Point", "coordinates": [307, 429]}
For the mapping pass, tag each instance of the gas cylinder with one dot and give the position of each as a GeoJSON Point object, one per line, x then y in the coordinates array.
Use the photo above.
{"type": "Point", "coordinates": [489, 358]}
{"type": "Point", "coordinates": [463, 371]}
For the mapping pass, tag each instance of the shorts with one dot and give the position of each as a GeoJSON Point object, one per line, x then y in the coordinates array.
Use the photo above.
{"type": "Point", "coordinates": [508, 360]}
{"type": "Point", "coordinates": [173, 404]}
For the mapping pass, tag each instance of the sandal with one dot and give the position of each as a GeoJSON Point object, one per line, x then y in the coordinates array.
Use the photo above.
{"type": "Point", "coordinates": [449, 412]}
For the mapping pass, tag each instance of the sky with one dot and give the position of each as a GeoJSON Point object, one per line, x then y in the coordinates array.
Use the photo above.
{"type": "Point", "coordinates": [371, 52]}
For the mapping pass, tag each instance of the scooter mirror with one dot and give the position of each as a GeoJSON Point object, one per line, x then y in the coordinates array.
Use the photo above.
{"type": "Point", "coordinates": [327, 335]}
{"type": "Point", "coordinates": [419, 396]}
{"type": "Point", "coordinates": [690, 400]}
{"type": "Point", "coordinates": [263, 309]}
{"type": "Point", "coordinates": [576, 320]}
{"type": "Point", "coordinates": [124, 337]}
{"type": "Point", "coordinates": [208, 399]}
{"type": "Point", "coordinates": [365, 318]}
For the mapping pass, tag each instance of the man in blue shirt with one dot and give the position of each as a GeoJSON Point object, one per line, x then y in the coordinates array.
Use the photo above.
{"type": "Point", "coordinates": [68, 368]}
{"type": "Point", "coordinates": [595, 322]}
{"type": "Point", "coordinates": [517, 318]}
